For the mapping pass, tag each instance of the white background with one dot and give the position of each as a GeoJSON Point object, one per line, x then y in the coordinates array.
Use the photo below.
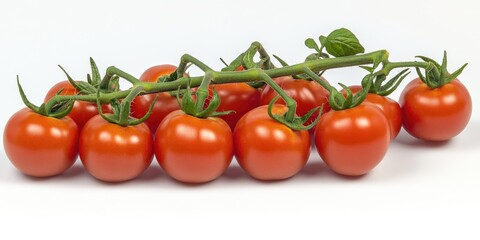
{"type": "Point", "coordinates": [420, 190]}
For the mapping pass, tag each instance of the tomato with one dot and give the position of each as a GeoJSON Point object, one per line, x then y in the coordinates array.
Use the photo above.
{"type": "Point", "coordinates": [82, 111]}
{"type": "Point", "coordinates": [239, 97]}
{"type": "Point", "coordinates": [435, 114]}
{"type": "Point", "coordinates": [193, 150]}
{"type": "Point", "coordinates": [113, 153]}
{"type": "Point", "coordinates": [390, 108]}
{"type": "Point", "coordinates": [267, 149]}
{"type": "Point", "coordinates": [353, 141]}
{"type": "Point", "coordinates": [40, 146]}
{"type": "Point", "coordinates": [307, 94]}
{"type": "Point", "coordinates": [165, 104]}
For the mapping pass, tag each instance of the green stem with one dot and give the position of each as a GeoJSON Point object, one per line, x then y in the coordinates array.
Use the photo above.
{"type": "Point", "coordinates": [289, 102]}
{"type": "Point", "coordinates": [115, 71]}
{"type": "Point", "coordinates": [240, 76]}
{"type": "Point", "coordinates": [186, 59]}
{"type": "Point", "coordinates": [317, 79]}
{"type": "Point", "coordinates": [389, 66]}
{"type": "Point", "coordinates": [202, 91]}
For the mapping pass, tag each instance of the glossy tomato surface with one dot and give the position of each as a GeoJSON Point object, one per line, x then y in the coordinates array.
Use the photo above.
{"type": "Point", "coordinates": [267, 149]}
{"type": "Point", "coordinates": [435, 114]}
{"type": "Point", "coordinates": [82, 111]}
{"type": "Point", "coordinates": [113, 153]}
{"type": "Point", "coordinates": [390, 108]}
{"type": "Point", "coordinates": [353, 141]}
{"type": "Point", "coordinates": [307, 94]}
{"type": "Point", "coordinates": [238, 97]}
{"type": "Point", "coordinates": [193, 150]}
{"type": "Point", "coordinates": [165, 104]}
{"type": "Point", "coordinates": [40, 146]}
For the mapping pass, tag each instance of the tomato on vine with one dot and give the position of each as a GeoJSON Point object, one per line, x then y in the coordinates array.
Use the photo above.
{"type": "Point", "coordinates": [267, 149]}
{"type": "Point", "coordinates": [115, 153]}
{"type": "Point", "coordinates": [436, 106]}
{"type": "Point", "coordinates": [436, 114]}
{"type": "Point", "coordinates": [165, 103]}
{"type": "Point", "coordinates": [353, 141]}
{"type": "Point", "coordinates": [191, 149]}
{"type": "Point", "coordinates": [40, 146]}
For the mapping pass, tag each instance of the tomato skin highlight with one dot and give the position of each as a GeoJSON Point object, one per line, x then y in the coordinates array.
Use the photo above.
{"type": "Point", "coordinates": [390, 108]}
{"type": "Point", "coordinates": [165, 104]}
{"type": "Point", "coordinates": [193, 150]}
{"type": "Point", "coordinates": [113, 153]}
{"type": "Point", "coordinates": [82, 111]}
{"type": "Point", "coordinates": [269, 150]}
{"type": "Point", "coordinates": [353, 141]}
{"type": "Point", "coordinates": [307, 94]}
{"type": "Point", "coordinates": [435, 114]}
{"type": "Point", "coordinates": [40, 146]}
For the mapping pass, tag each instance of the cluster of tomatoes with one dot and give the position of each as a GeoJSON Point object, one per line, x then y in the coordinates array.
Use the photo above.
{"type": "Point", "coordinates": [196, 150]}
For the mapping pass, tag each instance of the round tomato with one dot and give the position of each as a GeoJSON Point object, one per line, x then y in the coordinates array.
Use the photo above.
{"type": "Point", "coordinates": [353, 141]}
{"type": "Point", "coordinates": [437, 114]}
{"type": "Point", "coordinates": [239, 97]}
{"type": "Point", "coordinates": [165, 104]}
{"type": "Point", "coordinates": [307, 94]}
{"type": "Point", "coordinates": [267, 149]}
{"type": "Point", "coordinates": [113, 153]}
{"type": "Point", "coordinates": [193, 150]}
{"type": "Point", "coordinates": [40, 146]}
{"type": "Point", "coordinates": [82, 111]}
{"type": "Point", "coordinates": [390, 108]}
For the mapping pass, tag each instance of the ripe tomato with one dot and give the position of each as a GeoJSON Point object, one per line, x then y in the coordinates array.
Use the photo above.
{"type": "Point", "coordinates": [307, 94]}
{"type": "Point", "coordinates": [435, 114]}
{"type": "Point", "coordinates": [390, 108]}
{"type": "Point", "coordinates": [82, 111]}
{"type": "Point", "coordinates": [113, 153]}
{"type": "Point", "coordinates": [40, 146]}
{"type": "Point", "coordinates": [353, 141]}
{"type": "Point", "coordinates": [239, 97]}
{"type": "Point", "coordinates": [193, 150]}
{"type": "Point", "coordinates": [165, 103]}
{"type": "Point", "coordinates": [267, 149]}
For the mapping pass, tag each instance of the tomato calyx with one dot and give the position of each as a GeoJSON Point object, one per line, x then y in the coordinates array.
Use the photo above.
{"type": "Point", "coordinates": [196, 107]}
{"type": "Point", "coordinates": [121, 110]}
{"type": "Point", "coordinates": [382, 88]}
{"type": "Point", "coordinates": [110, 83]}
{"type": "Point", "coordinates": [437, 75]}
{"type": "Point", "coordinates": [339, 101]}
{"type": "Point", "coordinates": [295, 123]}
{"type": "Point", "coordinates": [50, 109]}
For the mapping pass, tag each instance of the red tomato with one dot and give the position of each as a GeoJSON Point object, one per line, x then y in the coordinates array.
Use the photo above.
{"type": "Point", "coordinates": [40, 146]}
{"type": "Point", "coordinates": [113, 153]}
{"type": "Point", "coordinates": [390, 108]}
{"type": "Point", "coordinates": [82, 111]}
{"type": "Point", "coordinates": [193, 150]}
{"type": "Point", "coordinates": [435, 114]}
{"type": "Point", "coordinates": [239, 97]}
{"type": "Point", "coordinates": [165, 103]}
{"type": "Point", "coordinates": [353, 141]}
{"type": "Point", "coordinates": [307, 94]}
{"type": "Point", "coordinates": [267, 149]}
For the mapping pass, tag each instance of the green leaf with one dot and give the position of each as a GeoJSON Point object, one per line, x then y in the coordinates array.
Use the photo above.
{"type": "Point", "coordinates": [322, 40]}
{"type": "Point", "coordinates": [342, 42]}
{"type": "Point", "coordinates": [310, 43]}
